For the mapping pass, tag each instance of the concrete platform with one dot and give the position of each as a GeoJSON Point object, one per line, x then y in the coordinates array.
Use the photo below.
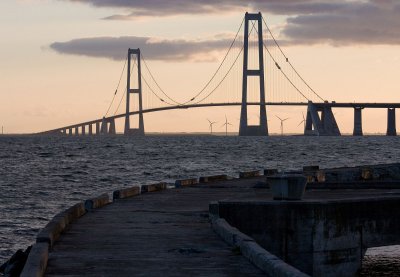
{"type": "Point", "coordinates": [166, 233]}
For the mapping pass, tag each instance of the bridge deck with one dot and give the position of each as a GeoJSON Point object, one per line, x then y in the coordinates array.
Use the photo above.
{"type": "Point", "coordinates": [154, 234]}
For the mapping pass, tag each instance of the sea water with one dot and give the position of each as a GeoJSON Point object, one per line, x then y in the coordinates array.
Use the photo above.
{"type": "Point", "coordinates": [40, 176]}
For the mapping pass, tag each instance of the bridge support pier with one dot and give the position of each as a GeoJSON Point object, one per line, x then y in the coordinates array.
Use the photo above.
{"type": "Point", "coordinates": [83, 130]}
{"type": "Point", "coordinates": [138, 90]}
{"type": "Point", "coordinates": [104, 127]}
{"type": "Point", "coordinates": [112, 130]}
{"type": "Point", "coordinates": [357, 131]}
{"type": "Point", "coordinates": [391, 122]}
{"type": "Point", "coordinates": [325, 125]}
{"type": "Point", "coordinates": [262, 128]}
{"type": "Point", "coordinates": [90, 129]}
{"type": "Point", "coordinates": [70, 131]}
{"type": "Point", "coordinates": [97, 128]}
{"type": "Point", "coordinates": [76, 131]}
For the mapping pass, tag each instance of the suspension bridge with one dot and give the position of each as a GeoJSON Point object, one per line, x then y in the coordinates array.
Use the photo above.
{"type": "Point", "coordinates": [255, 71]}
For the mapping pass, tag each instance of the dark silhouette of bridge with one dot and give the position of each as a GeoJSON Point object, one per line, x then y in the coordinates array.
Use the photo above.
{"type": "Point", "coordinates": [245, 77]}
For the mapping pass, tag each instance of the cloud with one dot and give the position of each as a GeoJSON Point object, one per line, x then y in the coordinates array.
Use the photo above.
{"type": "Point", "coordinates": [308, 22]}
{"type": "Point", "coordinates": [372, 22]}
{"type": "Point", "coordinates": [155, 48]}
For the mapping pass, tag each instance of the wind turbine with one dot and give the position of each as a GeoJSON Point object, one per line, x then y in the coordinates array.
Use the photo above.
{"type": "Point", "coordinates": [303, 121]}
{"type": "Point", "coordinates": [226, 126]}
{"type": "Point", "coordinates": [282, 120]}
{"type": "Point", "coordinates": [211, 124]}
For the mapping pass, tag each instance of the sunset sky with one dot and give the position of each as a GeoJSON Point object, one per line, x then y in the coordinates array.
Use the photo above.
{"type": "Point", "coordinates": [60, 60]}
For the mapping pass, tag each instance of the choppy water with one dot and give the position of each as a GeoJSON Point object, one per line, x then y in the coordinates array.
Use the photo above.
{"type": "Point", "coordinates": [40, 176]}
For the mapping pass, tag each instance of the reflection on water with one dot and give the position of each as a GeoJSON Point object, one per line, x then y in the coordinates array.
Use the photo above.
{"type": "Point", "coordinates": [39, 176]}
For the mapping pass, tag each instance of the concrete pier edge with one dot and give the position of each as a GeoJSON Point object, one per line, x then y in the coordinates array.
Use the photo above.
{"type": "Point", "coordinates": [38, 257]}
{"type": "Point", "coordinates": [249, 174]}
{"type": "Point", "coordinates": [153, 187]}
{"type": "Point", "coordinates": [264, 260]}
{"type": "Point", "coordinates": [97, 202]}
{"type": "Point", "coordinates": [36, 263]}
{"type": "Point", "coordinates": [126, 192]}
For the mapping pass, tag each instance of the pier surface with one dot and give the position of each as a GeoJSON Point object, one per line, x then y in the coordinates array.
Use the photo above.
{"type": "Point", "coordinates": [165, 233]}
{"type": "Point", "coordinates": [153, 234]}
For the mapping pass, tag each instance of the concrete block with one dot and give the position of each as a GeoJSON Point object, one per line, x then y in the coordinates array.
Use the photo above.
{"type": "Point", "coordinates": [73, 213]}
{"type": "Point", "coordinates": [186, 182]}
{"type": "Point", "coordinates": [320, 176]}
{"type": "Point", "coordinates": [249, 174]}
{"type": "Point", "coordinates": [51, 232]}
{"type": "Point", "coordinates": [287, 186]}
{"type": "Point", "coordinates": [213, 208]}
{"type": "Point", "coordinates": [36, 264]}
{"type": "Point", "coordinates": [270, 172]}
{"type": "Point", "coordinates": [127, 192]}
{"type": "Point", "coordinates": [153, 187]}
{"type": "Point", "coordinates": [97, 202]}
{"type": "Point", "coordinates": [311, 168]}
{"type": "Point", "coordinates": [214, 178]}
{"type": "Point", "coordinates": [367, 173]}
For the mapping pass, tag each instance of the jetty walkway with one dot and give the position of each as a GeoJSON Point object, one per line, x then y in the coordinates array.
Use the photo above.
{"type": "Point", "coordinates": [153, 234]}
{"type": "Point", "coordinates": [225, 228]}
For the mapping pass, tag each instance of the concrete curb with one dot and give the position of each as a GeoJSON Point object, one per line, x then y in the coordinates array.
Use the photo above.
{"type": "Point", "coordinates": [36, 264]}
{"type": "Point", "coordinates": [52, 231]}
{"type": "Point", "coordinates": [186, 182]}
{"type": "Point", "coordinates": [249, 174]}
{"type": "Point", "coordinates": [257, 255]}
{"type": "Point", "coordinates": [97, 202]}
{"type": "Point", "coordinates": [154, 187]}
{"type": "Point", "coordinates": [214, 178]}
{"type": "Point", "coordinates": [126, 193]}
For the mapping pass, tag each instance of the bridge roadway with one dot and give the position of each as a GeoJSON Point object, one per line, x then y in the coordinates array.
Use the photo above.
{"type": "Point", "coordinates": [190, 106]}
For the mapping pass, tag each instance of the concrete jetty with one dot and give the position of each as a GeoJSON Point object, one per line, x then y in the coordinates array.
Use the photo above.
{"type": "Point", "coordinates": [225, 227]}
{"type": "Point", "coordinates": [152, 234]}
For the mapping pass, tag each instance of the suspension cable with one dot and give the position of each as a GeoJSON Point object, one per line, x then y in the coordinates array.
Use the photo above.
{"type": "Point", "coordinates": [288, 61]}
{"type": "Point", "coordinates": [156, 95]}
{"type": "Point", "coordinates": [234, 62]}
{"type": "Point", "coordinates": [152, 77]}
{"type": "Point", "coordinates": [126, 89]}
{"type": "Point", "coordinates": [204, 98]}
{"type": "Point", "coordinates": [116, 90]}
{"type": "Point", "coordinates": [277, 65]}
{"type": "Point", "coordinates": [120, 101]}
{"type": "Point", "coordinates": [151, 89]}
{"type": "Point", "coordinates": [219, 67]}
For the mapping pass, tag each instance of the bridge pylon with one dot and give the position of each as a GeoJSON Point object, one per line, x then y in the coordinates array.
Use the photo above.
{"type": "Point", "coordinates": [136, 90]}
{"type": "Point", "coordinates": [244, 128]}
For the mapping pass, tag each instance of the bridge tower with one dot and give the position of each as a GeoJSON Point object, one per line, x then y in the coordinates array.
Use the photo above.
{"type": "Point", "coordinates": [244, 128]}
{"type": "Point", "coordinates": [137, 90]}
